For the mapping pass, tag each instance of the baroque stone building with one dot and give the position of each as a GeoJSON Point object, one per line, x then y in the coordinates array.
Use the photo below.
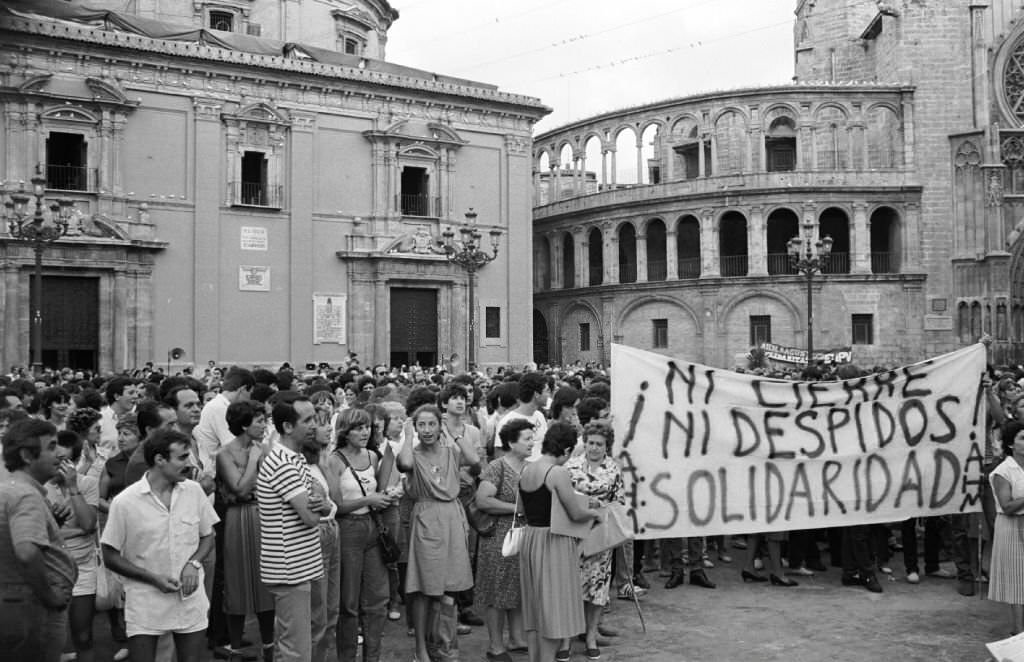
{"type": "Point", "coordinates": [901, 137]}
{"type": "Point", "coordinates": [253, 183]}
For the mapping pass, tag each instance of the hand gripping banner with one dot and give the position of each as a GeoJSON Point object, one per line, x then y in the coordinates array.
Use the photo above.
{"type": "Point", "coordinates": [708, 452]}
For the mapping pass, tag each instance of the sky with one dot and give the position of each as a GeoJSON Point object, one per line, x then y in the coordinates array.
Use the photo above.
{"type": "Point", "coordinates": [582, 58]}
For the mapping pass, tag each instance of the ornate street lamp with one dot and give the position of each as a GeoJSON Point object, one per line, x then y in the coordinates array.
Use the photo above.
{"type": "Point", "coordinates": [32, 227]}
{"type": "Point", "coordinates": [468, 253]}
{"type": "Point", "coordinates": [809, 257]}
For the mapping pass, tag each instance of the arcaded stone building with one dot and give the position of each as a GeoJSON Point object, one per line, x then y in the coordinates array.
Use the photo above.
{"type": "Point", "coordinates": [254, 183]}
{"type": "Point", "coordinates": [901, 137]}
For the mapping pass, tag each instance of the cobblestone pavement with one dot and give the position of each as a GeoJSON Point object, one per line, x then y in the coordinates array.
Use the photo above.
{"type": "Point", "coordinates": [817, 621]}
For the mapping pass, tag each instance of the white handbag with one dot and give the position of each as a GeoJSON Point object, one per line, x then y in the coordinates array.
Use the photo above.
{"type": "Point", "coordinates": [514, 537]}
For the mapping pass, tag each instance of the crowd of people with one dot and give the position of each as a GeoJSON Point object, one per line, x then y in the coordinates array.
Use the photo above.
{"type": "Point", "coordinates": [325, 503]}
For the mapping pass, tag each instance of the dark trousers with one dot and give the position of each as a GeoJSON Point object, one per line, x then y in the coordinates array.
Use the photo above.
{"type": "Point", "coordinates": [857, 553]}
{"type": "Point", "coordinates": [803, 548]}
{"type": "Point", "coordinates": [674, 550]}
{"type": "Point", "coordinates": [932, 543]}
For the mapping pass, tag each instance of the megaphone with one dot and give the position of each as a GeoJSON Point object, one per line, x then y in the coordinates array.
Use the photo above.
{"type": "Point", "coordinates": [173, 354]}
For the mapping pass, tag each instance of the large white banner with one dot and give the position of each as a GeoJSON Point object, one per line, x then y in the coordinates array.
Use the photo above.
{"type": "Point", "coordinates": [707, 451]}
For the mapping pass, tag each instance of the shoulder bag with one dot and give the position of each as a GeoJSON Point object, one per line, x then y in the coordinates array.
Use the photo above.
{"type": "Point", "coordinates": [389, 549]}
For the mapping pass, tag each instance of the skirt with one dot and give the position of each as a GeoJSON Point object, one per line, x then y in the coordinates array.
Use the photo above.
{"type": "Point", "coordinates": [438, 551]}
{"type": "Point", "coordinates": [549, 578]}
{"type": "Point", "coordinates": [497, 577]}
{"type": "Point", "coordinates": [244, 593]}
{"type": "Point", "coordinates": [1006, 577]}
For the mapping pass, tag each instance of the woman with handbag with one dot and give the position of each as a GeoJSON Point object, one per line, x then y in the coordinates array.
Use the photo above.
{"type": "Point", "coordinates": [364, 574]}
{"type": "Point", "coordinates": [439, 564]}
{"type": "Point", "coordinates": [549, 562]}
{"type": "Point", "coordinates": [597, 475]}
{"type": "Point", "coordinates": [497, 577]}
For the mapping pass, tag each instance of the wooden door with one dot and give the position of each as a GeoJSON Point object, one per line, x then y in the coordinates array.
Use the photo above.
{"type": "Point", "coordinates": [413, 326]}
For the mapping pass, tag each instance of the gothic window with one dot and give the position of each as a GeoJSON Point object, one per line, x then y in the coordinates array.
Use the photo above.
{"type": "Point", "coordinates": [1013, 81]}
{"type": "Point", "coordinates": [1012, 149]}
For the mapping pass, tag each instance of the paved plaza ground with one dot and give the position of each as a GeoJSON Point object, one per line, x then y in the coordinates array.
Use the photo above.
{"type": "Point", "coordinates": [819, 620]}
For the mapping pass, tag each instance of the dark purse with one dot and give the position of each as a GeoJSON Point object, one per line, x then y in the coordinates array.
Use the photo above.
{"type": "Point", "coordinates": [389, 549]}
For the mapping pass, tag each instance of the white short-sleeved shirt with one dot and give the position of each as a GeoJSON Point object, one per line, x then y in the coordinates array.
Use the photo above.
{"type": "Point", "coordinates": [1013, 474]}
{"type": "Point", "coordinates": [540, 428]}
{"type": "Point", "coordinates": [161, 540]}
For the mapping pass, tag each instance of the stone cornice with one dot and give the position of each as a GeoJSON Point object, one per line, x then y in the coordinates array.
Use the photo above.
{"type": "Point", "coordinates": [525, 105]}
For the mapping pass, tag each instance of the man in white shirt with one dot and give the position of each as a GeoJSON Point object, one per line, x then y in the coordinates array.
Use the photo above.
{"type": "Point", "coordinates": [159, 531]}
{"type": "Point", "coordinates": [122, 394]}
{"type": "Point", "coordinates": [212, 431]}
{"type": "Point", "coordinates": [534, 393]}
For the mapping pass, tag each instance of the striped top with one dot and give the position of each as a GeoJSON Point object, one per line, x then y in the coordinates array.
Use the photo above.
{"type": "Point", "coordinates": [289, 550]}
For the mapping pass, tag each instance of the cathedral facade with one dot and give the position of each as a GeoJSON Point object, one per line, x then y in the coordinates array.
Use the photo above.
{"type": "Point", "coordinates": [901, 138]}
{"type": "Point", "coordinates": [252, 182]}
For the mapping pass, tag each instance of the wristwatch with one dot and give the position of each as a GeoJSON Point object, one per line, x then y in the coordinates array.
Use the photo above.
{"type": "Point", "coordinates": [195, 564]}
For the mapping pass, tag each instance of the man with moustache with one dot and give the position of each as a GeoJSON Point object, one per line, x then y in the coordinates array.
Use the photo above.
{"type": "Point", "coordinates": [36, 571]}
{"type": "Point", "coordinates": [159, 531]}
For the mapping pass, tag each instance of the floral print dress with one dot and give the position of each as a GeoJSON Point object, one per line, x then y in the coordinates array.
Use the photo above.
{"type": "Point", "coordinates": [605, 484]}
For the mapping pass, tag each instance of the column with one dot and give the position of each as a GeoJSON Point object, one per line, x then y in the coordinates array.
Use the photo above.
{"type": "Point", "coordinates": [701, 166]}
{"type": "Point", "coordinates": [299, 194]}
{"type": "Point", "coordinates": [860, 261]}
{"type": "Point", "coordinates": [639, 159]}
{"type": "Point", "coordinates": [641, 258]}
{"type": "Point", "coordinates": [604, 169]}
{"type": "Point", "coordinates": [583, 174]}
{"type": "Point", "coordinates": [909, 129]}
{"type": "Point", "coordinates": [206, 319]}
{"type": "Point", "coordinates": [979, 64]}
{"type": "Point", "coordinates": [579, 236]}
{"type": "Point", "coordinates": [121, 321]}
{"type": "Point", "coordinates": [849, 148]}
{"type": "Point", "coordinates": [611, 253]}
{"type": "Point", "coordinates": [557, 180]}
{"type": "Point", "coordinates": [708, 245]}
{"type": "Point", "coordinates": [757, 259]}
{"type": "Point", "coordinates": [714, 153]}
{"type": "Point", "coordinates": [557, 282]}
{"type": "Point", "coordinates": [911, 239]}
{"type": "Point", "coordinates": [614, 168]}
{"type": "Point", "coordinates": [12, 350]}
{"type": "Point", "coordinates": [671, 254]}
{"type": "Point", "coordinates": [381, 315]}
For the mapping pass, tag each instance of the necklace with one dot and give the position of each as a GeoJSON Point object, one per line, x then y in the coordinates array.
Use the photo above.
{"type": "Point", "coordinates": [435, 469]}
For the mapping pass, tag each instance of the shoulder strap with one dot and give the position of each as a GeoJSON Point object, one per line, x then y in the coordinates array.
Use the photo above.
{"type": "Point", "coordinates": [354, 474]}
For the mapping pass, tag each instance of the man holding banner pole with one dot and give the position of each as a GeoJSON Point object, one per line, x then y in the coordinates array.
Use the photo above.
{"type": "Point", "coordinates": [692, 563]}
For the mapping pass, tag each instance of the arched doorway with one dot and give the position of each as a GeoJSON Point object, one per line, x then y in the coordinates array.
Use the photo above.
{"type": "Point", "coordinates": [834, 223]}
{"type": "Point", "coordinates": [732, 244]}
{"type": "Point", "coordinates": [595, 253]}
{"type": "Point", "coordinates": [540, 338]}
{"type": "Point", "coordinates": [568, 261]}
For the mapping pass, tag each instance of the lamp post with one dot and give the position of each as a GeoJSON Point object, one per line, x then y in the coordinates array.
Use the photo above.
{"type": "Point", "coordinates": [468, 253]}
{"type": "Point", "coordinates": [31, 227]}
{"type": "Point", "coordinates": [809, 257]}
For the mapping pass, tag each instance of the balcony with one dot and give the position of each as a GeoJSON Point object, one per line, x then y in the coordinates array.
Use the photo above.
{"type": "Point", "coordinates": [780, 264]}
{"type": "Point", "coordinates": [732, 266]}
{"type": "Point", "coordinates": [71, 178]}
{"type": "Point", "coordinates": [731, 185]}
{"type": "Point", "coordinates": [596, 276]}
{"type": "Point", "coordinates": [418, 204]}
{"type": "Point", "coordinates": [885, 263]}
{"type": "Point", "coordinates": [689, 268]}
{"type": "Point", "coordinates": [256, 194]}
{"type": "Point", "coordinates": [837, 263]}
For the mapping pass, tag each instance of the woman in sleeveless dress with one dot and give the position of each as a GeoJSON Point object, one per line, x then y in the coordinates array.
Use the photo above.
{"type": "Point", "coordinates": [439, 563]}
{"type": "Point", "coordinates": [549, 563]}
{"type": "Point", "coordinates": [1006, 581]}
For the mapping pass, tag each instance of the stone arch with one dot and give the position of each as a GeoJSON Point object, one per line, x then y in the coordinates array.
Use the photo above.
{"type": "Point", "coordinates": [834, 221]}
{"type": "Point", "coordinates": [886, 243]}
{"type": "Point", "coordinates": [264, 112]}
{"type": "Point", "coordinates": [651, 137]}
{"type": "Point", "coordinates": [686, 125]}
{"type": "Point", "coordinates": [659, 298]}
{"type": "Point", "coordinates": [595, 253]}
{"type": "Point", "coordinates": [884, 136]}
{"type": "Point", "coordinates": [656, 236]}
{"type": "Point", "coordinates": [543, 160]}
{"type": "Point", "coordinates": [787, 325]}
{"type": "Point", "coordinates": [570, 333]}
{"type": "Point", "coordinates": [688, 255]}
{"type": "Point", "coordinates": [732, 149]}
{"type": "Point", "coordinates": [568, 260]}
{"type": "Point", "coordinates": [69, 113]}
{"type": "Point", "coordinates": [819, 110]}
{"type": "Point", "coordinates": [593, 150]}
{"type": "Point", "coordinates": [625, 138]}
{"type": "Point", "coordinates": [831, 140]}
{"type": "Point", "coordinates": [541, 338]}
{"type": "Point", "coordinates": [733, 249]}
{"type": "Point", "coordinates": [782, 223]}
{"type": "Point", "coordinates": [730, 109]}
{"type": "Point", "coordinates": [626, 233]}
{"type": "Point", "coordinates": [635, 326]}
{"type": "Point", "coordinates": [779, 110]}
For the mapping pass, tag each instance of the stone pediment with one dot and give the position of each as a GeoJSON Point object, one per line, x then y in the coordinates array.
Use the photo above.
{"type": "Point", "coordinates": [77, 88]}
{"type": "Point", "coordinates": [428, 133]}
